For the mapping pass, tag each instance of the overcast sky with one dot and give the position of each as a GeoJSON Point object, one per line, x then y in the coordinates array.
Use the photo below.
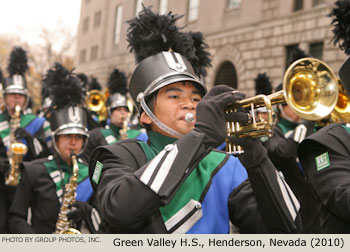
{"type": "Point", "coordinates": [24, 18]}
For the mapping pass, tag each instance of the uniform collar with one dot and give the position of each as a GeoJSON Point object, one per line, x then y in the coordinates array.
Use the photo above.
{"type": "Point", "coordinates": [158, 141]}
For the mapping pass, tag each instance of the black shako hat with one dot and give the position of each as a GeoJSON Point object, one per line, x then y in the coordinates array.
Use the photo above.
{"type": "Point", "coordinates": [117, 87]}
{"type": "Point", "coordinates": [164, 54]}
{"type": "Point", "coordinates": [17, 67]}
{"type": "Point", "coordinates": [340, 15]}
{"type": "Point", "coordinates": [67, 95]}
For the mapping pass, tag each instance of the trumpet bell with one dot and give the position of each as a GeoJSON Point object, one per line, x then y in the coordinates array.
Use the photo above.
{"type": "Point", "coordinates": [311, 88]}
{"type": "Point", "coordinates": [341, 112]}
{"type": "Point", "coordinates": [95, 100]}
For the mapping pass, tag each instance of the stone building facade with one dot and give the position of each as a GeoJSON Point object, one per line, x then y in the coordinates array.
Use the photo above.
{"type": "Point", "coordinates": [245, 37]}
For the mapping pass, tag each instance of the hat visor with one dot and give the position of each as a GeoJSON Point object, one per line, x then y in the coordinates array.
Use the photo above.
{"type": "Point", "coordinates": [72, 130]}
{"type": "Point", "coordinates": [10, 90]}
{"type": "Point", "coordinates": [178, 78]}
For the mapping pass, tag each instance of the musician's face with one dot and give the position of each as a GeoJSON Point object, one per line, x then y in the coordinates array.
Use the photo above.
{"type": "Point", "coordinates": [66, 144]}
{"type": "Point", "coordinates": [119, 115]}
{"type": "Point", "coordinates": [171, 105]}
{"type": "Point", "coordinates": [11, 100]}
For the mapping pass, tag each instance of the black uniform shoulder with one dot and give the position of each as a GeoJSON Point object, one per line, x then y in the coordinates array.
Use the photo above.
{"type": "Point", "coordinates": [126, 151]}
{"type": "Point", "coordinates": [332, 137]}
{"type": "Point", "coordinates": [35, 169]}
{"type": "Point", "coordinates": [95, 133]}
{"type": "Point", "coordinates": [96, 130]}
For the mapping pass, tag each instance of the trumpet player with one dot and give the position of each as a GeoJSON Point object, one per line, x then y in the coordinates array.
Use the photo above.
{"type": "Point", "coordinates": [282, 147]}
{"type": "Point", "coordinates": [175, 183]}
{"type": "Point", "coordinates": [43, 183]}
{"type": "Point", "coordinates": [18, 126]}
{"type": "Point", "coordinates": [118, 111]}
{"type": "Point", "coordinates": [325, 155]}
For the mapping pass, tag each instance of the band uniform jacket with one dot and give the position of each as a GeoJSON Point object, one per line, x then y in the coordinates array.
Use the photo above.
{"type": "Point", "coordinates": [178, 186]}
{"type": "Point", "coordinates": [282, 151]}
{"type": "Point", "coordinates": [325, 156]}
{"type": "Point", "coordinates": [41, 190]}
{"type": "Point", "coordinates": [39, 128]}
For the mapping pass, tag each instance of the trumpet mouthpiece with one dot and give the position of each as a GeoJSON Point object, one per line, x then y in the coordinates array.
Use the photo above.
{"type": "Point", "coordinates": [189, 117]}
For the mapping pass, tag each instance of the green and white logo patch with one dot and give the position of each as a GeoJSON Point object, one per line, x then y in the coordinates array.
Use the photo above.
{"type": "Point", "coordinates": [322, 161]}
{"type": "Point", "coordinates": [97, 172]}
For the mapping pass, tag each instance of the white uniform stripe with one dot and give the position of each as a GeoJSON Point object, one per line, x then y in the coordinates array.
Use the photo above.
{"type": "Point", "coordinates": [181, 214]}
{"type": "Point", "coordinates": [37, 146]}
{"type": "Point", "coordinates": [95, 218]}
{"type": "Point", "coordinates": [288, 133]}
{"type": "Point", "coordinates": [55, 176]}
{"type": "Point", "coordinates": [300, 133]}
{"type": "Point", "coordinates": [147, 174]}
{"type": "Point", "coordinates": [59, 195]}
{"type": "Point", "coordinates": [6, 141]}
{"type": "Point", "coordinates": [4, 125]}
{"type": "Point", "coordinates": [164, 169]}
{"type": "Point", "coordinates": [288, 196]}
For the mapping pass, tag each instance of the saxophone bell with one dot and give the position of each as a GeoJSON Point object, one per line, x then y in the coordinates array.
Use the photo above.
{"type": "Point", "coordinates": [16, 151]}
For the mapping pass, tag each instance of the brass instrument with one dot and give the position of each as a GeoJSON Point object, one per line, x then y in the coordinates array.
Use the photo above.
{"type": "Point", "coordinates": [16, 150]}
{"type": "Point", "coordinates": [123, 132]}
{"type": "Point", "coordinates": [2, 106]}
{"type": "Point", "coordinates": [341, 112]}
{"type": "Point", "coordinates": [63, 224]}
{"type": "Point", "coordinates": [96, 101]}
{"type": "Point", "coordinates": [310, 88]}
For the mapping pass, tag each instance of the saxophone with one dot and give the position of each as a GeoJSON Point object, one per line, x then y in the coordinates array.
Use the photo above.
{"type": "Point", "coordinates": [63, 224]}
{"type": "Point", "coordinates": [16, 151]}
{"type": "Point", "coordinates": [123, 131]}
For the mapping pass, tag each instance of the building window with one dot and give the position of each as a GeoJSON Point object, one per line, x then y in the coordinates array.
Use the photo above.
{"type": "Point", "coordinates": [193, 10]}
{"type": "Point", "coordinates": [118, 24]}
{"type": "Point", "coordinates": [97, 19]}
{"type": "Point", "coordinates": [316, 50]}
{"type": "Point", "coordinates": [317, 2]}
{"type": "Point", "coordinates": [289, 51]}
{"type": "Point", "coordinates": [86, 25]}
{"type": "Point", "coordinates": [138, 6]}
{"type": "Point", "coordinates": [163, 7]}
{"type": "Point", "coordinates": [226, 75]}
{"type": "Point", "coordinates": [298, 5]}
{"type": "Point", "coordinates": [232, 4]}
{"type": "Point", "coordinates": [82, 56]}
{"type": "Point", "coordinates": [94, 53]}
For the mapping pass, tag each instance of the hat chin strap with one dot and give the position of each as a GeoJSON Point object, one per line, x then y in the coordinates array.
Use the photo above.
{"type": "Point", "coordinates": [157, 122]}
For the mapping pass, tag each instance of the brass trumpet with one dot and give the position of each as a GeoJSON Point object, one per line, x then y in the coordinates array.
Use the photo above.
{"type": "Point", "coordinates": [341, 112]}
{"type": "Point", "coordinates": [310, 88]}
{"type": "Point", "coordinates": [96, 102]}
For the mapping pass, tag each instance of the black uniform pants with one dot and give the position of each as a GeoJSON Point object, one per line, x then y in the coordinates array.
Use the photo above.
{"type": "Point", "coordinates": [6, 198]}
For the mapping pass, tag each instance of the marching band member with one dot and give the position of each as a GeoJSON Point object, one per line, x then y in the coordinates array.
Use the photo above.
{"type": "Point", "coordinates": [175, 183]}
{"type": "Point", "coordinates": [18, 126]}
{"type": "Point", "coordinates": [325, 155]}
{"type": "Point", "coordinates": [118, 112]}
{"type": "Point", "coordinates": [43, 184]}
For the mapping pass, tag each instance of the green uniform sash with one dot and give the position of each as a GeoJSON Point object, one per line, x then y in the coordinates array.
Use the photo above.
{"type": "Point", "coordinates": [194, 185]}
